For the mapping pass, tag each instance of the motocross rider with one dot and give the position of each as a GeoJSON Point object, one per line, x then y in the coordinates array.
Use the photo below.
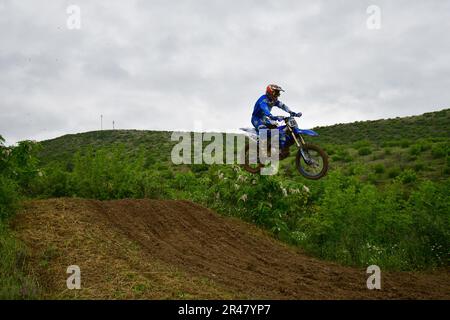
{"type": "Point", "coordinates": [263, 119]}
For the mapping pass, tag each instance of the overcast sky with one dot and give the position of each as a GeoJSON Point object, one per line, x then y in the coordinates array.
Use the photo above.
{"type": "Point", "coordinates": [201, 64]}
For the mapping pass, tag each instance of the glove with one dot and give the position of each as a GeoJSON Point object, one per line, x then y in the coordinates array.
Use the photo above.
{"type": "Point", "coordinates": [295, 114]}
{"type": "Point", "coordinates": [279, 118]}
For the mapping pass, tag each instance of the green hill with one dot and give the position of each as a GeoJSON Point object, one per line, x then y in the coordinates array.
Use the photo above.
{"type": "Point", "coordinates": [385, 147]}
{"type": "Point", "coordinates": [432, 125]}
{"type": "Point", "coordinates": [428, 125]}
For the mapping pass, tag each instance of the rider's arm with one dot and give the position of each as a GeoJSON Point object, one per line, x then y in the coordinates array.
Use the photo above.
{"type": "Point", "coordinates": [265, 108]}
{"type": "Point", "coordinates": [283, 107]}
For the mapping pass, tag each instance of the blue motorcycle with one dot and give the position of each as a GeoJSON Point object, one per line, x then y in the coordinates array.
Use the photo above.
{"type": "Point", "coordinates": [311, 161]}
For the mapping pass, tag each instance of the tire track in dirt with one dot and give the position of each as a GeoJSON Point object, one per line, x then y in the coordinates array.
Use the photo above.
{"type": "Point", "coordinates": [242, 258]}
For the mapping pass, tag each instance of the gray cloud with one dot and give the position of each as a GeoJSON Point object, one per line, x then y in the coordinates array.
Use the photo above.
{"type": "Point", "coordinates": [169, 65]}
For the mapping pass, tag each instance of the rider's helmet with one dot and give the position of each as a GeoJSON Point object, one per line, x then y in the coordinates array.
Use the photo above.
{"type": "Point", "coordinates": [273, 92]}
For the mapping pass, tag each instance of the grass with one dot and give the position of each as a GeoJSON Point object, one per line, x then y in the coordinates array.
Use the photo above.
{"type": "Point", "coordinates": [15, 279]}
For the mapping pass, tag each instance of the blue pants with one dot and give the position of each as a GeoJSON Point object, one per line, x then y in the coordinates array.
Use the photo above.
{"type": "Point", "coordinates": [261, 124]}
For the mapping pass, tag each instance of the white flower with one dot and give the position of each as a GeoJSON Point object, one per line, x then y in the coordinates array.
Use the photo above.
{"type": "Point", "coordinates": [243, 197]}
{"type": "Point", "coordinates": [306, 189]}
{"type": "Point", "coordinates": [285, 193]}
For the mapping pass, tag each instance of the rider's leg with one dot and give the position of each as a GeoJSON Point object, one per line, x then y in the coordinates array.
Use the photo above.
{"type": "Point", "coordinates": [284, 145]}
{"type": "Point", "coordinates": [262, 125]}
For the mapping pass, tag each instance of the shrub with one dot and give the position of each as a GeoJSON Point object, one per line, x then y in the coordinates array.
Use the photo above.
{"type": "Point", "coordinates": [360, 225]}
{"type": "Point", "coordinates": [17, 171]}
{"type": "Point", "coordinates": [342, 155]}
{"type": "Point", "coordinates": [54, 182]}
{"type": "Point", "coordinates": [16, 164]}
{"type": "Point", "coordinates": [379, 168]}
{"type": "Point", "coordinates": [425, 145]}
{"type": "Point", "coordinates": [20, 164]}
{"type": "Point", "coordinates": [361, 144]}
{"type": "Point", "coordinates": [419, 166]}
{"type": "Point", "coordinates": [394, 172]}
{"type": "Point", "coordinates": [440, 150]}
{"type": "Point", "coordinates": [407, 176]}
{"type": "Point", "coordinates": [330, 149]}
{"type": "Point", "coordinates": [405, 143]}
{"type": "Point", "coordinates": [378, 156]}
{"type": "Point", "coordinates": [415, 149]}
{"type": "Point", "coordinates": [364, 151]}
{"type": "Point", "coordinates": [9, 197]}
{"type": "Point", "coordinates": [357, 170]}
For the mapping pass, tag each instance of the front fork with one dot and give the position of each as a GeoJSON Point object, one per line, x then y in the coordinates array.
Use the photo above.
{"type": "Point", "coordinates": [300, 142]}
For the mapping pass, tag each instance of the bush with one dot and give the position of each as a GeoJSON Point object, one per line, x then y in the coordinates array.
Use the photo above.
{"type": "Point", "coordinates": [342, 155]}
{"type": "Point", "coordinates": [379, 168]}
{"type": "Point", "coordinates": [9, 197]}
{"type": "Point", "coordinates": [407, 176]}
{"type": "Point", "coordinates": [439, 150]}
{"type": "Point", "coordinates": [362, 144]}
{"type": "Point", "coordinates": [419, 166]}
{"type": "Point", "coordinates": [394, 172]}
{"type": "Point", "coordinates": [16, 166]}
{"type": "Point", "coordinates": [330, 149]}
{"type": "Point", "coordinates": [364, 151]}
{"type": "Point", "coordinates": [358, 224]}
{"type": "Point", "coordinates": [17, 172]}
{"type": "Point", "coordinates": [54, 182]}
{"type": "Point", "coordinates": [378, 156]}
{"type": "Point", "coordinates": [23, 164]}
{"type": "Point", "coordinates": [415, 149]}
{"type": "Point", "coordinates": [405, 143]}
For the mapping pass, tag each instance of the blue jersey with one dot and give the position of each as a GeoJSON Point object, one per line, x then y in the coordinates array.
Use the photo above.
{"type": "Point", "coordinates": [264, 106]}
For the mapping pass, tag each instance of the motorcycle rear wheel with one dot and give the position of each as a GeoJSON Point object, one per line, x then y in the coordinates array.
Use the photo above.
{"type": "Point", "coordinates": [247, 165]}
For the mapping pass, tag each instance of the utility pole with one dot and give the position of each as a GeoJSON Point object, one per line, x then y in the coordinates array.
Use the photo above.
{"type": "Point", "coordinates": [101, 122]}
{"type": "Point", "coordinates": [113, 124]}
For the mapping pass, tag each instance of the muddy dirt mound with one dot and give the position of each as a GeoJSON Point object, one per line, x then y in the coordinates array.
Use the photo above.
{"type": "Point", "coordinates": [177, 249]}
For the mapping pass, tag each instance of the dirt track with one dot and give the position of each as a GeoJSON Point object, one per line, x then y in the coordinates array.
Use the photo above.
{"type": "Point", "coordinates": [173, 249]}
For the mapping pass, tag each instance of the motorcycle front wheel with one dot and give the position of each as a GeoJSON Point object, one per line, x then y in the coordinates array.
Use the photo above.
{"type": "Point", "coordinates": [312, 163]}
